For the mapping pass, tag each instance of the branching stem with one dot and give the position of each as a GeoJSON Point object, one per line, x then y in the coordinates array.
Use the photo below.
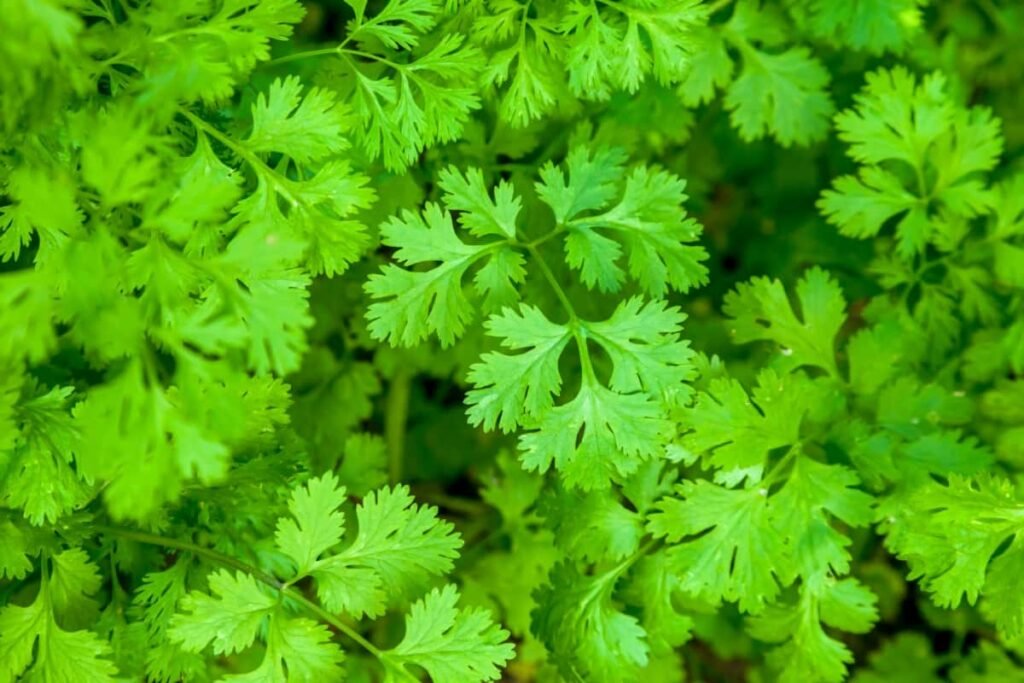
{"type": "Point", "coordinates": [239, 565]}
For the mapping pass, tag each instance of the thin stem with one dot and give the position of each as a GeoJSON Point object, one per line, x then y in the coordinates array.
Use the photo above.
{"type": "Point", "coordinates": [185, 546]}
{"type": "Point", "coordinates": [305, 54]}
{"type": "Point", "coordinates": [550, 277]}
{"type": "Point", "coordinates": [258, 164]}
{"type": "Point", "coordinates": [395, 418]}
{"type": "Point", "coordinates": [779, 467]}
{"type": "Point", "coordinates": [995, 15]}
{"type": "Point", "coordinates": [235, 563]}
{"type": "Point", "coordinates": [718, 6]}
{"type": "Point", "coordinates": [545, 237]}
{"type": "Point", "coordinates": [577, 332]}
{"type": "Point", "coordinates": [372, 57]}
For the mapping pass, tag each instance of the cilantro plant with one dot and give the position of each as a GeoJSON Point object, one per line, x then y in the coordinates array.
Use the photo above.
{"type": "Point", "coordinates": [522, 340]}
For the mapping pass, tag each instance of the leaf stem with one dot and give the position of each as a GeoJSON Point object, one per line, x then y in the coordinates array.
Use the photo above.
{"type": "Point", "coordinates": [552, 280]}
{"type": "Point", "coordinates": [577, 331]}
{"type": "Point", "coordinates": [303, 54]}
{"type": "Point", "coordinates": [260, 575]}
{"type": "Point", "coordinates": [395, 418]}
{"type": "Point", "coordinates": [258, 165]}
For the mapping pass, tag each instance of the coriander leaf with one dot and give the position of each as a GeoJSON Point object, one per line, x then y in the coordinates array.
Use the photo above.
{"type": "Point", "coordinates": [861, 206]}
{"type": "Point", "coordinates": [781, 94]}
{"type": "Point", "coordinates": [585, 631]}
{"type": "Point", "coordinates": [480, 214]}
{"type": "Point", "coordinates": [943, 453]}
{"type": "Point", "coordinates": [730, 549]}
{"type": "Point", "coordinates": [510, 389]}
{"type": "Point", "coordinates": [42, 479]}
{"type": "Point", "coordinates": [201, 55]}
{"type": "Point", "coordinates": [648, 222]}
{"type": "Point", "coordinates": [709, 69]}
{"type": "Point", "coordinates": [597, 437]}
{"type": "Point", "coordinates": [875, 26]}
{"type": "Point", "coordinates": [606, 53]}
{"type": "Point", "coordinates": [405, 101]}
{"type": "Point", "coordinates": [450, 643]}
{"type": "Point", "coordinates": [592, 526]}
{"type": "Point", "coordinates": [412, 305]}
{"type": "Point", "coordinates": [761, 311]}
{"type": "Point", "coordinates": [398, 545]}
{"type": "Point", "coordinates": [905, 657]}
{"type": "Point", "coordinates": [525, 52]}
{"type": "Point", "coordinates": [297, 650]}
{"type": "Point", "coordinates": [230, 618]}
{"type": "Point", "coordinates": [653, 586]}
{"type": "Point", "coordinates": [306, 128]}
{"type": "Point", "coordinates": [738, 432]}
{"type": "Point", "coordinates": [143, 443]}
{"type": "Point", "coordinates": [14, 553]}
{"type": "Point", "coordinates": [396, 25]}
{"type": "Point", "coordinates": [807, 652]}
{"type": "Point", "coordinates": [31, 633]}
{"type": "Point", "coordinates": [949, 533]}
{"type": "Point", "coordinates": [898, 125]}
{"type": "Point", "coordinates": [895, 117]}
{"type": "Point", "coordinates": [812, 495]}
{"type": "Point", "coordinates": [642, 341]}
{"type": "Point", "coordinates": [73, 577]}
{"type": "Point", "coordinates": [317, 523]}
{"type": "Point", "coordinates": [590, 181]}
{"type": "Point", "coordinates": [27, 315]}
{"type": "Point", "coordinates": [364, 465]}
{"type": "Point", "coordinates": [42, 204]}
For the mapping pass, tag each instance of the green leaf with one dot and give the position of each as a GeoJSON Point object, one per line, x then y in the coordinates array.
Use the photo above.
{"type": "Point", "coordinates": [414, 304]}
{"type": "Point", "coordinates": [585, 631]}
{"type": "Point", "coordinates": [408, 101]}
{"type": "Point", "coordinates": [306, 128]}
{"type": "Point", "coordinates": [648, 223]}
{"type": "Point", "coordinates": [761, 311]}
{"type": "Point", "coordinates": [807, 652]}
{"type": "Point", "coordinates": [899, 125]}
{"type": "Point", "coordinates": [861, 206]}
{"type": "Point", "coordinates": [229, 619]}
{"type": "Point", "coordinates": [26, 312]}
{"type": "Point", "coordinates": [895, 117]}
{"type": "Point", "coordinates": [43, 481]}
{"type": "Point", "coordinates": [739, 432]}
{"type": "Point", "coordinates": [642, 341]}
{"type": "Point", "coordinates": [592, 526]}
{"type": "Point", "coordinates": [479, 213]}
{"type": "Point", "coordinates": [73, 577]}
{"type": "Point", "coordinates": [905, 658]}
{"type": "Point", "coordinates": [597, 437]}
{"type": "Point", "coordinates": [297, 650]}
{"type": "Point", "coordinates": [511, 389]}
{"type": "Point", "coordinates": [730, 548]}
{"type": "Point", "coordinates": [398, 546]}
{"type": "Point", "coordinates": [782, 95]}
{"type": "Point", "coordinates": [948, 534]}
{"type": "Point", "coordinates": [31, 634]}
{"type": "Point", "coordinates": [802, 510]}
{"type": "Point", "coordinates": [875, 26]}
{"type": "Point", "coordinates": [615, 47]}
{"type": "Point", "coordinates": [14, 552]}
{"type": "Point", "coordinates": [450, 643]}
{"type": "Point", "coordinates": [589, 183]}
{"type": "Point", "coordinates": [317, 525]}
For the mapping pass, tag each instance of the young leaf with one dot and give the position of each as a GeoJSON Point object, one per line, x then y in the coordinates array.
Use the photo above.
{"type": "Point", "coordinates": [450, 643]}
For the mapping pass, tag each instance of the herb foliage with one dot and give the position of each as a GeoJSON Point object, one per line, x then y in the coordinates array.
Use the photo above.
{"type": "Point", "coordinates": [531, 340]}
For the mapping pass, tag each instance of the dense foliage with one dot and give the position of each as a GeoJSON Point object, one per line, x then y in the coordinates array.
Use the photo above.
{"type": "Point", "coordinates": [554, 340]}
